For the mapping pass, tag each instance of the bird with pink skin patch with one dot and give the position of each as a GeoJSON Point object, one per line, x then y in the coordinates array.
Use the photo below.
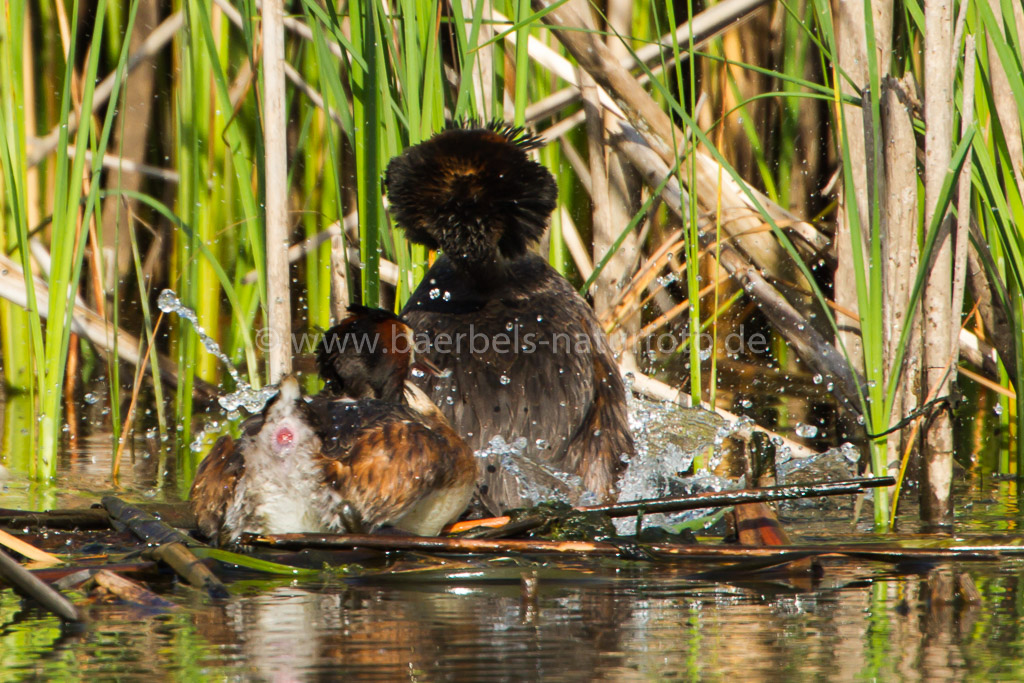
{"type": "Point", "coordinates": [370, 451]}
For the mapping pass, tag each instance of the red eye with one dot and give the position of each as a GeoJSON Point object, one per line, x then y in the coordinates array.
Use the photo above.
{"type": "Point", "coordinates": [285, 436]}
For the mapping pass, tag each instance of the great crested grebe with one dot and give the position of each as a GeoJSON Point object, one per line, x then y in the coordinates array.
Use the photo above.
{"type": "Point", "coordinates": [369, 451]}
{"type": "Point", "coordinates": [525, 355]}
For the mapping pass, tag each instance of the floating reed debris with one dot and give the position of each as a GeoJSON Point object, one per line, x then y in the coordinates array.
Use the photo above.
{"type": "Point", "coordinates": [69, 577]}
{"type": "Point", "coordinates": [129, 591]}
{"type": "Point", "coordinates": [171, 546]}
{"type": "Point", "coordinates": [144, 525]}
{"type": "Point", "coordinates": [83, 518]}
{"type": "Point", "coordinates": [189, 567]}
{"type": "Point", "coordinates": [31, 586]}
{"type": "Point", "coordinates": [428, 544]}
{"type": "Point", "coordinates": [663, 552]}
{"type": "Point", "coordinates": [174, 514]}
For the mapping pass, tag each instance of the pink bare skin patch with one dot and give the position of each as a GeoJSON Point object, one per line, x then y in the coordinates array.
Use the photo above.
{"type": "Point", "coordinates": [284, 437]}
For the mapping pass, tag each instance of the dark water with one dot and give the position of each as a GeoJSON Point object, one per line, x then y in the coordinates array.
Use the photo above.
{"type": "Point", "coordinates": [568, 620]}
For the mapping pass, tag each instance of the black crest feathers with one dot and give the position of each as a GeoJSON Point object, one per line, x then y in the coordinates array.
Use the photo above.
{"type": "Point", "coordinates": [469, 187]}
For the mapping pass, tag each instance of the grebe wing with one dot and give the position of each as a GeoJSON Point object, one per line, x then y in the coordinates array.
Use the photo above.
{"type": "Point", "coordinates": [600, 449]}
{"type": "Point", "coordinates": [385, 468]}
{"type": "Point", "coordinates": [214, 486]}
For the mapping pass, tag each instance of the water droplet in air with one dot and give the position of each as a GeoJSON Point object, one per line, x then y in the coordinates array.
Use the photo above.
{"type": "Point", "coordinates": [806, 431]}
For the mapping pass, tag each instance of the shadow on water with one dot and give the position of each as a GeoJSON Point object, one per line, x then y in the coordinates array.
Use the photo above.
{"type": "Point", "coordinates": [563, 620]}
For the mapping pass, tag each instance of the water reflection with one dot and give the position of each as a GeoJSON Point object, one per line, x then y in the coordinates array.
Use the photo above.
{"type": "Point", "coordinates": [642, 624]}
{"type": "Point", "coordinates": [616, 622]}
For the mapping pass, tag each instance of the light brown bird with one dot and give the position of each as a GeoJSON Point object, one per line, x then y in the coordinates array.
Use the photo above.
{"type": "Point", "coordinates": [370, 451]}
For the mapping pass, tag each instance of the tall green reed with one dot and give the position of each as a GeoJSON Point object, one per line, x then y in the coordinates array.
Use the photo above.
{"type": "Point", "coordinates": [403, 67]}
{"type": "Point", "coordinates": [70, 219]}
{"type": "Point", "coordinates": [18, 329]}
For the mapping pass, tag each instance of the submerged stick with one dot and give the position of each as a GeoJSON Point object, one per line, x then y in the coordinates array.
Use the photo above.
{"type": "Point", "coordinates": [697, 501]}
{"type": "Point", "coordinates": [24, 582]}
{"type": "Point", "coordinates": [130, 591]}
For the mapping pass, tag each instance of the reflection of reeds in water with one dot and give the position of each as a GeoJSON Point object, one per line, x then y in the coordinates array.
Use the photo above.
{"type": "Point", "coordinates": [622, 624]}
{"type": "Point", "coordinates": [726, 227]}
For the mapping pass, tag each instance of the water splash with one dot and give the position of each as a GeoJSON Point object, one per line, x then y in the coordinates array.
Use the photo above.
{"type": "Point", "coordinates": [245, 396]}
{"type": "Point", "coordinates": [835, 464]}
{"type": "Point", "coordinates": [667, 438]}
{"type": "Point", "coordinates": [536, 481]}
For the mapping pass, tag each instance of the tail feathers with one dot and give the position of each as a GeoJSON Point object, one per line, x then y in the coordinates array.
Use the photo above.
{"type": "Point", "coordinates": [603, 442]}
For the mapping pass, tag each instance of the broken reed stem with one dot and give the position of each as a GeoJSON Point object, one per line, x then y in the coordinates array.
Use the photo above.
{"type": "Point", "coordinates": [911, 441]}
{"type": "Point", "coordinates": [728, 498]}
{"type": "Point", "coordinates": [279, 316]}
{"type": "Point", "coordinates": [24, 582]}
{"type": "Point", "coordinates": [696, 501]}
{"type": "Point", "coordinates": [655, 552]}
{"type": "Point", "coordinates": [130, 417]}
{"type": "Point", "coordinates": [937, 297]}
{"type": "Point", "coordinates": [27, 549]}
{"type": "Point", "coordinates": [189, 567]}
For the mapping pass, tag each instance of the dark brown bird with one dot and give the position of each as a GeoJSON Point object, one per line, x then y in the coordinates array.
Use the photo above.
{"type": "Point", "coordinates": [370, 451]}
{"type": "Point", "coordinates": [525, 354]}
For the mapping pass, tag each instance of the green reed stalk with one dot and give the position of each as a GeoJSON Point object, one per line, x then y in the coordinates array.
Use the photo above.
{"type": "Point", "coordinates": [692, 229]}
{"type": "Point", "coordinates": [366, 80]}
{"type": "Point", "coordinates": [67, 245]}
{"type": "Point", "coordinates": [220, 225]}
{"type": "Point", "coordinates": [999, 180]}
{"type": "Point", "coordinates": [20, 331]}
{"type": "Point", "coordinates": [148, 325]}
{"type": "Point", "coordinates": [323, 71]}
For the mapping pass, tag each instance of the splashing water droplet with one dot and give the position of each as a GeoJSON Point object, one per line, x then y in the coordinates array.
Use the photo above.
{"type": "Point", "coordinates": [806, 431]}
{"type": "Point", "coordinates": [244, 396]}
